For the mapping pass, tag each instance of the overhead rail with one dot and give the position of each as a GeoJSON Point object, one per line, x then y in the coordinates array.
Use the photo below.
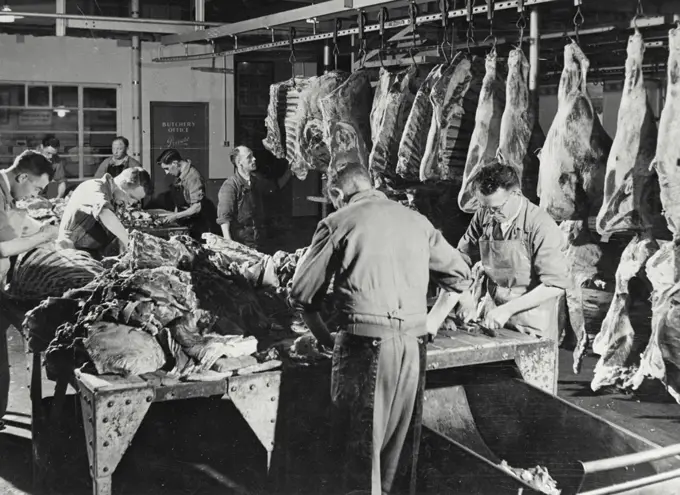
{"type": "Point", "coordinates": [99, 18]}
{"type": "Point", "coordinates": [647, 22]}
{"type": "Point", "coordinates": [398, 23]}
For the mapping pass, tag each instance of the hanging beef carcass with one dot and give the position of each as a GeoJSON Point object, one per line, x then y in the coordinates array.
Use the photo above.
{"type": "Point", "coordinates": [667, 156]}
{"type": "Point", "coordinates": [486, 136]}
{"type": "Point", "coordinates": [414, 137]}
{"type": "Point", "coordinates": [391, 107]}
{"type": "Point", "coordinates": [454, 101]}
{"type": "Point", "coordinates": [346, 124]}
{"type": "Point", "coordinates": [630, 187]}
{"type": "Point", "coordinates": [661, 358]}
{"type": "Point", "coordinates": [310, 148]}
{"type": "Point", "coordinates": [574, 155]}
{"type": "Point", "coordinates": [293, 93]}
{"type": "Point", "coordinates": [276, 111]}
{"type": "Point", "coordinates": [614, 341]}
{"type": "Point", "coordinates": [521, 134]}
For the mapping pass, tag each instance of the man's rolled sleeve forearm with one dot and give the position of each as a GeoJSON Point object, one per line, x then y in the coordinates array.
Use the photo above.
{"type": "Point", "coordinates": [449, 268]}
{"type": "Point", "coordinates": [314, 273]}
{"type": "Point", "coordinates": [468, 246]}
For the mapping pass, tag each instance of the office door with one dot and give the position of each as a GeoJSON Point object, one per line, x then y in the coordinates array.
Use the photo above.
{"type": "Point", "coordinates": [183, 126]}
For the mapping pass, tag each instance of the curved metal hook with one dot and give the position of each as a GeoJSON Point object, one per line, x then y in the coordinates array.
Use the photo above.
{"type": "Point", "coordinates": [495, 40]}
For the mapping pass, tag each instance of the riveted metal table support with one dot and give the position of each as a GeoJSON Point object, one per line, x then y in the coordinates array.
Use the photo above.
{"type": "Point", "coordinates": [257, 399]}
{"type": "Point", "coordinates": [538, 366]}
{"type": "Point", "coordinates": [111, 419]}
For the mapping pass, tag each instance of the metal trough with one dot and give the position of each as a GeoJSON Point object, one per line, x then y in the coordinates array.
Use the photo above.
{"type": "Point", "coordinates": [475, 419]}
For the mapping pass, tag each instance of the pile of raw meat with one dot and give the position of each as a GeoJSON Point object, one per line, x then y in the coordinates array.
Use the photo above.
{"type": "Point", "coordinates": [165, 305]}
{"type": "Point", "coordinates": [42, 209]}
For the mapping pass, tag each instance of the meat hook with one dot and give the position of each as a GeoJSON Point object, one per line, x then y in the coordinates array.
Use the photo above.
{"type": "Point", "coordinates": [413, 15]}
{"type": "Point", "coordinates": [336, 51]}
{"type": "Point", "coordinates": [639, 12]}
{"type": "Point", "coordinates": [491, 35]}
{"type": "Point", "coordinates": [383, 16]}
{"type": "Point", "coordinates": [521, 24]}
{"type": "Point", "coordinates": [471, 24]}
{"type": "Point", "coordinates": [292, 58]}
{"type": "Point", "coordinates": [361, 21]}
{"type": "Point", "coordinates": [578, 21]}
{"type": "Point", "coordinates": [444, 8]}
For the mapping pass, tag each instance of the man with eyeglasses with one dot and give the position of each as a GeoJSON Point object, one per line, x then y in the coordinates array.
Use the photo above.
{"type": "Point", "coordinates": [521, 249]}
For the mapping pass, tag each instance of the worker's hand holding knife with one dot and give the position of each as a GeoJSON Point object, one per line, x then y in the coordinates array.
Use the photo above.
{"type": "Point", "coordinates": [497, 317]}
{"type": "Point", "coordinates": [467, 307]}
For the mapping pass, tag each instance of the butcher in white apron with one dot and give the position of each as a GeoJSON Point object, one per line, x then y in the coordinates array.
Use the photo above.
{"type": "Point", "coordinates": [521, 250]}
{"type": "Point", "coordinates": [27, 177]}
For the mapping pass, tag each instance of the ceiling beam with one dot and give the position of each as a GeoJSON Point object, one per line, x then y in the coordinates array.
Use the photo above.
{"type": "Point", "coordinates": [328, 8]}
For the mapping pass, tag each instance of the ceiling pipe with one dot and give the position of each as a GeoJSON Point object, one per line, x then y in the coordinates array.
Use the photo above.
{"type": "Point", "coordinates": [199, 12]}
{"type": "Point", "coordinates": [107, 18]}
{"type": "Point", "coordinates": [136, 87]}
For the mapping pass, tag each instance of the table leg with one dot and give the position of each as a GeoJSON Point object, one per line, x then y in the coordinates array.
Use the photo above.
{"type": "Point", "coordinates": [111, 419]}
{"type": "Point", "coordinates": [538, 366]}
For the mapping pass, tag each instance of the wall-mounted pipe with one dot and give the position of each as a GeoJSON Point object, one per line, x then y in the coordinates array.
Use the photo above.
{"type": "Point", "coordinates": [199, 12]}
{"type": "Point", "coordinates": [534, 50]}
{"type": "Point", "coordinates": [98, 18]}
{"type": "Point", "coordinates": [61, 23]}
{"type": "Point", "coordinates": [136, 88]}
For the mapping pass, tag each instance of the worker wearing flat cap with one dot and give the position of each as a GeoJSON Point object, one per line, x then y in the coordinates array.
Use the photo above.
{"type": "Point", "coordinates": [192, 207]}
{"type": "Point", "coordinates": [90, 222]}
{"type": "Point", "coordinates": [381, 256]}
{"type": "Point", "coordinates": [521, 250]}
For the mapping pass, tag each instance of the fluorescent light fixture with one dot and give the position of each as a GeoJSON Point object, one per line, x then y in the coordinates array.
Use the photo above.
{"type": "Point", "coordinates": [6, 15]}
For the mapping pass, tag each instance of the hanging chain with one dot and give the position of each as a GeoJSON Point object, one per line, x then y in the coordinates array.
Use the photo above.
{"type": "Point", "coordinates": [521, 24]}
{"type": "Point", "coordinates": [336, 51]}
{"type": "Point", "coordinates": [453, 32]}
{"type": "Point", "coordinates": [639, 12]}
{"type": "Point", "coordinates": [578, 19]}
{"type": "Point", "coordinates": [361, 20]}
{"type": "Point", "coordinates": [292, 58]}
{"type": "Point", "coordinates": [383, 17]}
{"type": "Point", "coordinates": [413, 16]}
{"type": "Point", "coordinates": [444, 8]}
{"type": "Point", "coordinates": [471, 24]}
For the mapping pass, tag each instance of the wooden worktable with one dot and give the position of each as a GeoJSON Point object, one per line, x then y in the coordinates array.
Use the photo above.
{"type": "Point", "coordinates": [114, 407]}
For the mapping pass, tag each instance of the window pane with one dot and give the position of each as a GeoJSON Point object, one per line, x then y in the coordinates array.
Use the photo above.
{"type": "Point", "coordinates": [99, 97]}
{"type": "Point", "coordinates": [37, 121]}
{"type": "Point", "coordinates": [12, 95]}
{"type": "Point", "coordinates": [38, 96]}
{"type": "Point", "coordinates": [100, 121]}
{"type": "Point", "coordinates": [66, 96]}
{"type": "Point", "coordinates": [90, 164]}
{"type": "Point", "coordinates": [98, 144]}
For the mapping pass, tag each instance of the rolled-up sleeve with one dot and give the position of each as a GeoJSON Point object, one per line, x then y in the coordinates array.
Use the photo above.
{"type": "Point", "coordinates": [468, 246]}
{"type": "Point", "coordinates": [550, 261]}
{"type": "Point", "coordinates": [194, 188]}
{"type": "Point", "coordinates": [226, 203]}
{"type": "Point", "coordinates": [447, 266]}
{"type": "Point", "coordinates": [315, 271]}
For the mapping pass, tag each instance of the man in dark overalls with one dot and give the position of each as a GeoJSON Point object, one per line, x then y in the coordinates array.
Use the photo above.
{"type": "Point", "coordinates": [192, 207]}
{"type": "Point", "coordinates": [521, 249]}
{"type": "Point", "coordinates": [240, 210]}
{"type": "Point", "coordinates": [381, 255]}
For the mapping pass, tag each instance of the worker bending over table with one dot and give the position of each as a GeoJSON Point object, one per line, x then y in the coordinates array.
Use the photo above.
{"type": "Point", "coordinates": [521, 249]}
{"type": "Point", "coordinates": [191, 205]}
{"type": "Point", "coordinates": [30, 173]}
{"type": "Point", "coordinates": [240, 206]}
{"type": "Point", "coordinates": [381, 255]}
{"type": "Point", "coordinates": [90, 223]}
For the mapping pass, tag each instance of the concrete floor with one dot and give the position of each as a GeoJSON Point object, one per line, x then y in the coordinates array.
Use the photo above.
{"type": "Point", "coordinates": [652, 415]}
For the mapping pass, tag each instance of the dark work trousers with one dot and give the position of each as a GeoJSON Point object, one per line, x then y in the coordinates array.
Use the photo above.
{"type": "Point", "coordinates": [377, 385]}
{"type": "Point", "coordinates": [4, 367]}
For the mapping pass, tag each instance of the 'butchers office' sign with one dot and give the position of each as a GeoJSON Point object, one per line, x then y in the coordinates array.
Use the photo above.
{"type": "Point", "coordinates": [182, 126]}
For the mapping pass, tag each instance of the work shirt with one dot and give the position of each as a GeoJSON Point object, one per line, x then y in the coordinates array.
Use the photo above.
{"type": "Point", "coordinates": [59, 171]}
{"type": "Point", "coordinates": [109, 166]}
{"type": "Point", "coordinates": [7, 232]}
{"type": "Point", "coordinates": [544, 241]}
{"type": "Point", "coordinates": [382, 255]}
{"type": "Point", "coordinates": [191, 184]}
{"type": "Point", "coordinates": [80, 222]}
{"type": "Point", "coordinates": [240, 204]}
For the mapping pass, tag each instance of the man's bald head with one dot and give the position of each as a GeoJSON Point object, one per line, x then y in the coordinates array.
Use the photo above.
{"type": "Point", "coordinates": [243, 159]}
